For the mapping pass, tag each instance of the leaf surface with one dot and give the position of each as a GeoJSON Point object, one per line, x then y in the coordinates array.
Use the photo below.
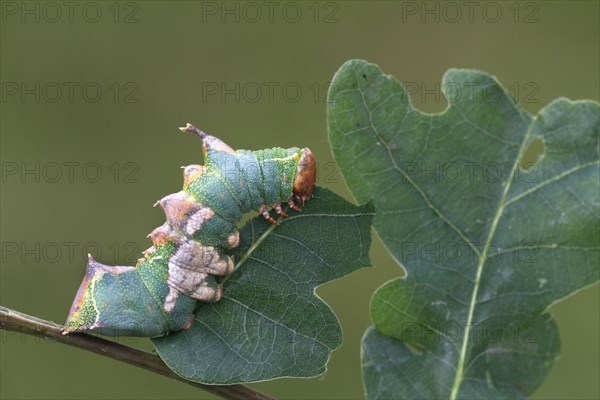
{"type": "Point", "coordinates": [487, 240]}
{"type": "Point", "coordinates": [270, 323]}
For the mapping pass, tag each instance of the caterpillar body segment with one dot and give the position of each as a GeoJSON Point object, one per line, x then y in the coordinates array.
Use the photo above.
{"type": "Point", "coordinates": [160, 293]}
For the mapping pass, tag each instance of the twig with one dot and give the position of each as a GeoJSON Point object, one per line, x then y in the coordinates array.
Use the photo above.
{"type": "Point", "coordinates": [15, 321]}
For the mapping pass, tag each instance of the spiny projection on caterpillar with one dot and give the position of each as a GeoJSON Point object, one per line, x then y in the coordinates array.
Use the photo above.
{"type": "Point", "coordinates": [160, 293]}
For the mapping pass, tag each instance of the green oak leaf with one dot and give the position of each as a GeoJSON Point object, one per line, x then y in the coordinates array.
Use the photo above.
{"type": "Point", "coordinates": [487, 240]}
{"type": "Point", "coordinates": [270, 323]}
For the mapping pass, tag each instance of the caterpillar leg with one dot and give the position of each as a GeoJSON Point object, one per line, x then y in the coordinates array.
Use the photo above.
{"type": "Point", "coordinates": [265, 213]}
{"type": "Point", "coordinates": [278, 210]}
{"type": "Point", "coordinates": [293, 205]}
{"type": "Point", "coordinates": [189, 324]}
{"type": "Point", "coordinates": [196, 287]}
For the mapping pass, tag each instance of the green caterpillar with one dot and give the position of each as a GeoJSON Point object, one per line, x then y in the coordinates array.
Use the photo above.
{"type": "Point", "coordinates": [159, 295]}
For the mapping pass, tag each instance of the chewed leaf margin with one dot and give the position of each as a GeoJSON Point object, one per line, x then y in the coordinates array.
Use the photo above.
{"type": "Point", "coordinates": [375, 132]}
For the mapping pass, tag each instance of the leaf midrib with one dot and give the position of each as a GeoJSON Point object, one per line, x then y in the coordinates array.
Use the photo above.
{"type": "Point", "coordinates": [458, 378]}
{"type": "Point", "coordinates": [483, 254]}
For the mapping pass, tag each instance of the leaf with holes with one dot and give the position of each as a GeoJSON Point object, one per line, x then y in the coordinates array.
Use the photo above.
{"type": "Point", "coordinates": [270, 323]}
{"type": "Point", "coordinates": [488, 240]}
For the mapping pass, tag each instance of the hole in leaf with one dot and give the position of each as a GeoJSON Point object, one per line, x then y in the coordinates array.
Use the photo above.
{"type": "Point", "coordinates": [364, 76]}
{"type": "Point", "coordinates": [532, 155]}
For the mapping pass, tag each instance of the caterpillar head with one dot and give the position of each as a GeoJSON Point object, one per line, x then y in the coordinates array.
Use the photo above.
{"type": "Point", "coordinates": [306, 175]}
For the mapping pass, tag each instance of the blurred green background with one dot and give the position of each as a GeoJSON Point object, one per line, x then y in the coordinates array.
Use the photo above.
{"type": "Point", "coordinates": [92, 94]}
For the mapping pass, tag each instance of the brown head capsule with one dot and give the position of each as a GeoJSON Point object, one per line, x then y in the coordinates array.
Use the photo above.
{"type": "Point", "coordinates": [306, 175]}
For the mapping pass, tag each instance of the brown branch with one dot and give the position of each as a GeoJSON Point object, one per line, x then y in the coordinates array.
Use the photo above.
{"type": "Point", "coordinates": [15, 321]}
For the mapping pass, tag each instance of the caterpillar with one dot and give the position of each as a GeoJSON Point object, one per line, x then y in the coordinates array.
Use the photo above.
{"type": "Point", "coordinates": [190, 250]}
